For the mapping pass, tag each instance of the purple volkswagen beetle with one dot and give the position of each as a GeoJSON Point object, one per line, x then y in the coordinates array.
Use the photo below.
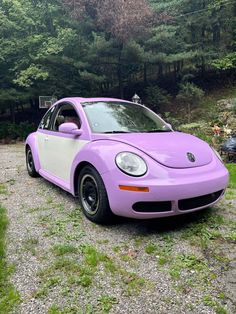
{"type": "Point", "coordinates": [120, 158]}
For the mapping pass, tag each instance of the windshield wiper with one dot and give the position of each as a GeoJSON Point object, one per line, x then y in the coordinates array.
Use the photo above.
{"type": "Point", "coordinates": [158, 131]}
{"type": "Point", "coordinates": [115, 132]}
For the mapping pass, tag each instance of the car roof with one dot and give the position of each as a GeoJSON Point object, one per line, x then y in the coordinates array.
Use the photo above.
{"type": "Point", "coordinates": [94, 99]}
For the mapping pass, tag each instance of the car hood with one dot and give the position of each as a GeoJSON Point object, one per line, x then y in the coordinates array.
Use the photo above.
{"type": "Point", "coordinates": [170, 148]}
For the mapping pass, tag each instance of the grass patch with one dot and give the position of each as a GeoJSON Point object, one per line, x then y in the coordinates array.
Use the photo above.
{"type": "Point", "coordinates": [231, 190]}
{"type": "Point", "coordinates": [209, 301]}
{"type": "Point", "coordinates": [77, 273]}
{"type": "Point", "coordinates": [186, 262]}
{"type": "Point", "coordinates": [106, 302]}
{"type": "Point", "coordinates": [30, 245]}
{"type": "Point", "coordinates": [202, 231]}
{"type": "Point", "coordinates": [62, 249]}
{"type": "Point", "coordinates": [8, 295]}
{"type": "Point", "coordinates": [232, 172]}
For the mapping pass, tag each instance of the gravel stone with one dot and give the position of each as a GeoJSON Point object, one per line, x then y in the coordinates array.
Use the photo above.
{"type": "Point", "coordinates": [41, 215]}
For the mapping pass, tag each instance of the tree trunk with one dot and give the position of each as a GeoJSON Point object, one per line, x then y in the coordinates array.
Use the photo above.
{"type": "Point", "coordinates": [12, 111]}
{"type": "Point", "coordinates": [160, 70]}
{"type": "Point", "coordinates": [189, 113]}
{"type": "Point", "coordinates": [120, 74]}
{"type": "Point", "coordinates": [145, 73]}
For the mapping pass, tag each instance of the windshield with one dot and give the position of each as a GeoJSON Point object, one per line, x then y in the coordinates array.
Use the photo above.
{"type": "Point", "coordinates": [122, 117]}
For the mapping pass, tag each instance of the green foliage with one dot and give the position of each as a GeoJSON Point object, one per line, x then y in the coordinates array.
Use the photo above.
{"type": "Point", "coordinates": [157, 97]}
{"type": "Point", "coordinates": [8, 295]}
{"type": "Point", "coordinates": [190, 93]}
{"type": "Point", "coordinates": [69, 48]}
{"type": "Point", "coordinates": [227, 62]}
{"type": "Point", "coordinates": [15, 131]}
{"type": "Point", "coordinates": [62, 249]}
{"type": "Point", "coordinates": [106, 302]}
{"type": "Point", "coordinates": [232, 171]}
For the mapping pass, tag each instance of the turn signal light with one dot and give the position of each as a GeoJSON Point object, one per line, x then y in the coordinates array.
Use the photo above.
{"type": "Point", "coordinates": [134, 188]}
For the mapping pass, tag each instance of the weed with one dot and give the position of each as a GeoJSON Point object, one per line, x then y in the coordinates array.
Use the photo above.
{"type": "Point", "coordinates": [138, 241]}
{"type": "Point", "coordinates": [116, 249]}
{"type": "Point", "coordinates": [11, 181]}
{"type": "Point", "coordinates": [230, 194]}
{"type": "Point", "coordinates": [106, 302]}
{"type": "Point", "coordinates": [62, 249]}
{"type": "Point", "coordinates": [134, 283]}
{"type": "Point", "coordinates": [150, 248]}
{"type": "Point", "coordinates": [3, 189]}
{"type": "Point", "coordinates": [49, 200]}
{"type": "Point", "coordinates": [30, 245]}
{"type": "Point", "coordinates": [54, 310]}
{"type": "Point", "coordinates": [103, 241]}
{"type": "Point", "coordinates": [67, 265]}
{"type": "Point", "coordinates": [37, 209]}
{"type": "Point", "coordinates": [186, 262]}
{"type": "Point", "coordinates": [204, 229]}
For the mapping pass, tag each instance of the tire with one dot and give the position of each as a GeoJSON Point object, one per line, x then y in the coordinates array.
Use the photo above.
{"type": "Point", "coordinates": [93, 196]}
{"type": "Point", "coordinates": [30, 164]}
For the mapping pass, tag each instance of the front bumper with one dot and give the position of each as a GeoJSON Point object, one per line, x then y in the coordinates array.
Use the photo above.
{"type": "Point", "coordinates": [167, 185]}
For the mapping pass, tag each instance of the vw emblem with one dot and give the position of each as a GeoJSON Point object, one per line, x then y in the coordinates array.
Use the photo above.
{"type": "Point", "coordinates": [191, 157]}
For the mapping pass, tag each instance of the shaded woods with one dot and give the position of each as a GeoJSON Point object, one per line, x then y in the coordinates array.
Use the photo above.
{"type": "Point", "coordinates": [112, 48]}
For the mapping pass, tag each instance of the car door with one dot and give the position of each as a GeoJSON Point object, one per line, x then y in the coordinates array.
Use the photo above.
{"type": "Point", "coordinates": [42, 137]}
{"type": "Point", "coordinates": [58, 149]}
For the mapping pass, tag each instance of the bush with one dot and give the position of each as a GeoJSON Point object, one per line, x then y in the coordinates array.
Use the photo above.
{"type": "Point", "coordinates": [168, 117]}
{"type": "Point", "coordinates": [200, 129]}
{"type": "Point", "coordinates": [16, 131]}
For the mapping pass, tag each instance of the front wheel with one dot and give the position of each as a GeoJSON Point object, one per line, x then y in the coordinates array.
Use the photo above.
{"type": "Point", "coordinates": [93, 196]}
{"type": "Point", "coordinates": [30, 164]}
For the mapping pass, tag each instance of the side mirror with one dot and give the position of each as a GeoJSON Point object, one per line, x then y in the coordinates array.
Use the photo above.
{"type": "Point", "coordinates": [170, 126]}
{"type": "Point", "coordinates": [70, 128]}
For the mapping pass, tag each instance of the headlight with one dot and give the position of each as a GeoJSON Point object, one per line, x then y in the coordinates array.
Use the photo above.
{"type": "Point", "coordinates": [131, 164]}
{"type": "Point", "coordinates": [217, 154]}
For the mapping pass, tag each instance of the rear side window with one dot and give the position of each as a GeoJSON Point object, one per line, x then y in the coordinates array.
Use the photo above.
{"type": "Point", "coordinates": [45, 123]}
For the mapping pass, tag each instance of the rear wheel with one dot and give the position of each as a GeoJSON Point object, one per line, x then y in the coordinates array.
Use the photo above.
{"type": "Point", "coordinates": [30, 164]}
{"type": "Point", "coordinates": [93, 196]}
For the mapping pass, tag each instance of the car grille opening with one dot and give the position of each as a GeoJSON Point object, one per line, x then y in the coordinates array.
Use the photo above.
{"type": "Point", "coordinates": [195, 202]}
{"type": "Point", "coordinates": [152, 207]}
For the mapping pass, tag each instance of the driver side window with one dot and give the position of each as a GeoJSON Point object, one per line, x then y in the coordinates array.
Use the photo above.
{"type": "Point", "coordinates": [65, 113]}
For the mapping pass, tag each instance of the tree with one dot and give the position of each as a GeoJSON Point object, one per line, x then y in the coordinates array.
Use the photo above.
{"type": "Point", "coordinates": [122, 22]}
{"type": "Point", "coordinates": [190, 95]}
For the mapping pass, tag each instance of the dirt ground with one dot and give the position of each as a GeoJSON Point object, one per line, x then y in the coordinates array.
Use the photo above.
{"type": "Point", "coordinates": [66, 264]}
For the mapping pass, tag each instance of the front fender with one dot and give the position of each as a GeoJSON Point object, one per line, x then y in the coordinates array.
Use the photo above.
{"type": "Point", "coordinates": [101, 154]}
{"type": "Point", "coordinates": [31, 141]}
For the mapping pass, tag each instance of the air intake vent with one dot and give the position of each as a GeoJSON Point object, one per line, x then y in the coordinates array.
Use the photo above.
{"type": "Point", "coordinates": [195, 202]}
{"type": "Point", "coordinates": [152, 207]}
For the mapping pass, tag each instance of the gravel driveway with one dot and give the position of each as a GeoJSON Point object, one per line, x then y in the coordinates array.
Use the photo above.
{"type": "Point", "coordinates": [66, 264]}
